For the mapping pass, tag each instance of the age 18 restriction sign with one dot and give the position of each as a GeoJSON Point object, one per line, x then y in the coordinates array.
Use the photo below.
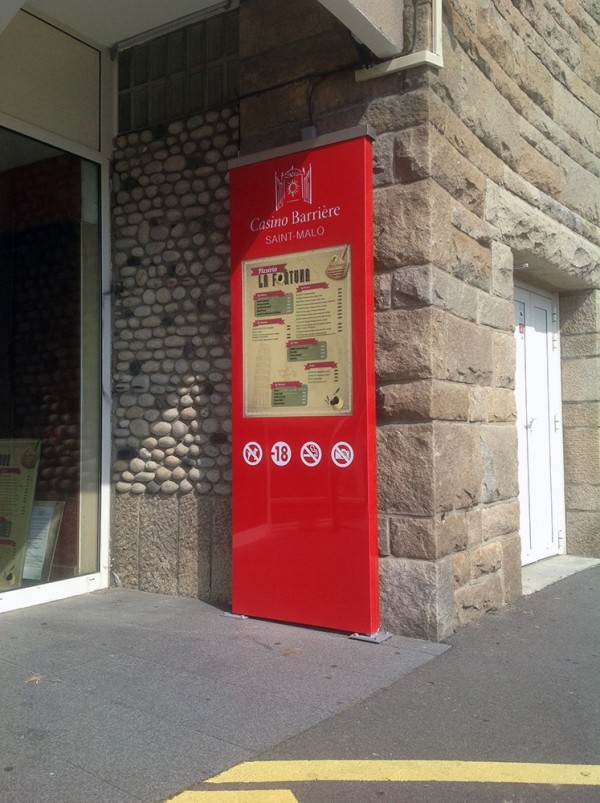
{"type": "Point", "coordinates": [304, 495]}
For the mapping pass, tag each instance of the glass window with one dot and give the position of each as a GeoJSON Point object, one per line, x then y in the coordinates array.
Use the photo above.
{"type": "Point", "coordinates": [125, 112]}
{"type": "Point", "coordinates": [232, 34]}
{"type": "Point", "coordinates": [157, 58]}
{"type": "Point", "coordinates": [139, 59]}
{"type": "Point", "coordinates": [140, 108]}
{"type": "Point", "coordinates": [49, 364]}
{"type": "Point", "coordinates": [197, 89]}
{"type": "Point", "coordinates": [177, 52]}
{"type": "Point", "coordinates": [176, 105]}
{"type": "Point", "coordinates": [125, 70]}
{"type": "Point", "coordinates": [214, 38]}
{"type": "Point", "coordinates": [215, 85]}
{"type": "Point", "coordinates": [179, 73]}
{"type": "Point", "coordinates": [195, 45]}
{"type": "Point", "coordinates": [158, 102]}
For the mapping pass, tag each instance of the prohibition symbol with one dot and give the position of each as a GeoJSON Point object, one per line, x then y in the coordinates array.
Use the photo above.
{"type": "Point", "coordinates": [253, 453]}
{"type": "Point", "coordinates": [342, 454]}
{"type": "Point", "coordinates": [311, 454]}
{"type": "Point", "coordinates": [281, 454]}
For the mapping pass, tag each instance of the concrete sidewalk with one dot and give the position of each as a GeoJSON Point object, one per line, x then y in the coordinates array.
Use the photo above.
{"type": "Point", "coordinates": [520, 685]}
{"type": "Point", "coordinates": [126, 696]}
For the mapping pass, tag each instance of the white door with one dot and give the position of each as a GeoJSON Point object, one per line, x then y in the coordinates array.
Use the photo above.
{"type": "Point", "coordinates": [541, 478]}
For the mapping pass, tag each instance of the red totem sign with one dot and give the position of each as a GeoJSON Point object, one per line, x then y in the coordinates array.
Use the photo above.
{"type": "Point", "coordinates": [304, 487]}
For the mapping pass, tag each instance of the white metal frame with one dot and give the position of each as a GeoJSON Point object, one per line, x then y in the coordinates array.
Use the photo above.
{"type": "Point", "coordinates": [61, 589]}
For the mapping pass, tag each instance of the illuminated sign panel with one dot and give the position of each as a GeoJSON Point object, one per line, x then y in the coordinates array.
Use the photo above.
{"type": "Point", "coordinates": [304, 495]}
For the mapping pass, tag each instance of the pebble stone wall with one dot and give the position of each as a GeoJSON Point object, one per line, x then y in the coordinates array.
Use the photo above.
{"type": "Point", "coordinates": [171, 342]}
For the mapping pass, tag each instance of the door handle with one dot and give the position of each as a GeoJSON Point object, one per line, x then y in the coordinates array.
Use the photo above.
{"type": "Point", "coordinates": [530, 424]}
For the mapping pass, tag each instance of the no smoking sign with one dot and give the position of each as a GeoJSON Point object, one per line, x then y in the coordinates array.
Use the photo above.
{"type": "Point", "coordinates": [311, 454]}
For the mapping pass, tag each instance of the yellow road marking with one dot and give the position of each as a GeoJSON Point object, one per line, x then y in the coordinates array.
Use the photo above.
{"type": "Point", "coordinates": [410, 771]}
{"type": "Point", "coordinates": [257, 796]}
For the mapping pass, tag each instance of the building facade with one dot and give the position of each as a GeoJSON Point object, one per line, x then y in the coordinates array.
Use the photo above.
{"type": "Point", "coordinates": [117, 138]}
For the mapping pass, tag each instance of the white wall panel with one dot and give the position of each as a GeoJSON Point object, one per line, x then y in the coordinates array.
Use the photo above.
{"type": "Point", "coordinates": [50, 79]}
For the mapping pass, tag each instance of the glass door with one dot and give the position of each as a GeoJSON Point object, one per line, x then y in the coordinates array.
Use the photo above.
{"type": "Point", "coordinates": [49, 364]}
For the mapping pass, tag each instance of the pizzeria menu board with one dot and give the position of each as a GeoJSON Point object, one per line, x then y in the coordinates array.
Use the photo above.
{"type": "Point", "coordinates": [297, 333]}
{"type": "Point", "coordinates": [19, 461]}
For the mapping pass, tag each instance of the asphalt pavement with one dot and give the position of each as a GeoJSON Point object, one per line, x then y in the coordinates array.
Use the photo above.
{"type": "Point", "coordinates": [125, 696]}
{"type": "Point", "coordinates": [519, 687]}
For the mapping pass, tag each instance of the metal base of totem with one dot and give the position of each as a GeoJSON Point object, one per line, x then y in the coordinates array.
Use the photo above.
{"type": "Point", "coordinates": [374, 638]}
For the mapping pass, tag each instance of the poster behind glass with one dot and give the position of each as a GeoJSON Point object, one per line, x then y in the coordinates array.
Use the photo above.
{"type": "Point", "coordinates": [297, 331]}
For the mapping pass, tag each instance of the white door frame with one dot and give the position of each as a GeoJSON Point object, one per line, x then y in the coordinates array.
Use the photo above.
{"type": "Point", "coordinates": [555, 543]}
{"type": "Point", "coordinates": [61, 589]}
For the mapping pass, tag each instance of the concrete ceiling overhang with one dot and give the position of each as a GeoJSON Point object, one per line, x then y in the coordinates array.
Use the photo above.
{"type": "Point", "coordinates": [108, 22]}
{"type": "Point", "coordinates": [377, 23]}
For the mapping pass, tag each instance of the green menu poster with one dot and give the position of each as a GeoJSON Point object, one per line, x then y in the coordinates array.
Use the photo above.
{"type": "Point", "coordinates": [297, 329]}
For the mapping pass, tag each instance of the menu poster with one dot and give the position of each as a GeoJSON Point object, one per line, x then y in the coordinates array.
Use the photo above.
{"type": "Point", "coordinates": [297, 332]}
{"type": "Point", "coordinates": [19, 460]}
{"type": "Point", "coordinates": [41, 542]}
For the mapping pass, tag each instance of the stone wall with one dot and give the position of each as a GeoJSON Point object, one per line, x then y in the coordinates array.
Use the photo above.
{"type": "Point", "coordinates": [171, 356]}
{"type": "Point", "coordinates": [580, 350]}
{"type": "Point", "coordinates": [518, 98]}
{"type": "Point", "coordinates": [495, 177]}
{"type": "Point", "coordinates": [479, 167]}
{"type": "Point", "coordinates": [294, 62]}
